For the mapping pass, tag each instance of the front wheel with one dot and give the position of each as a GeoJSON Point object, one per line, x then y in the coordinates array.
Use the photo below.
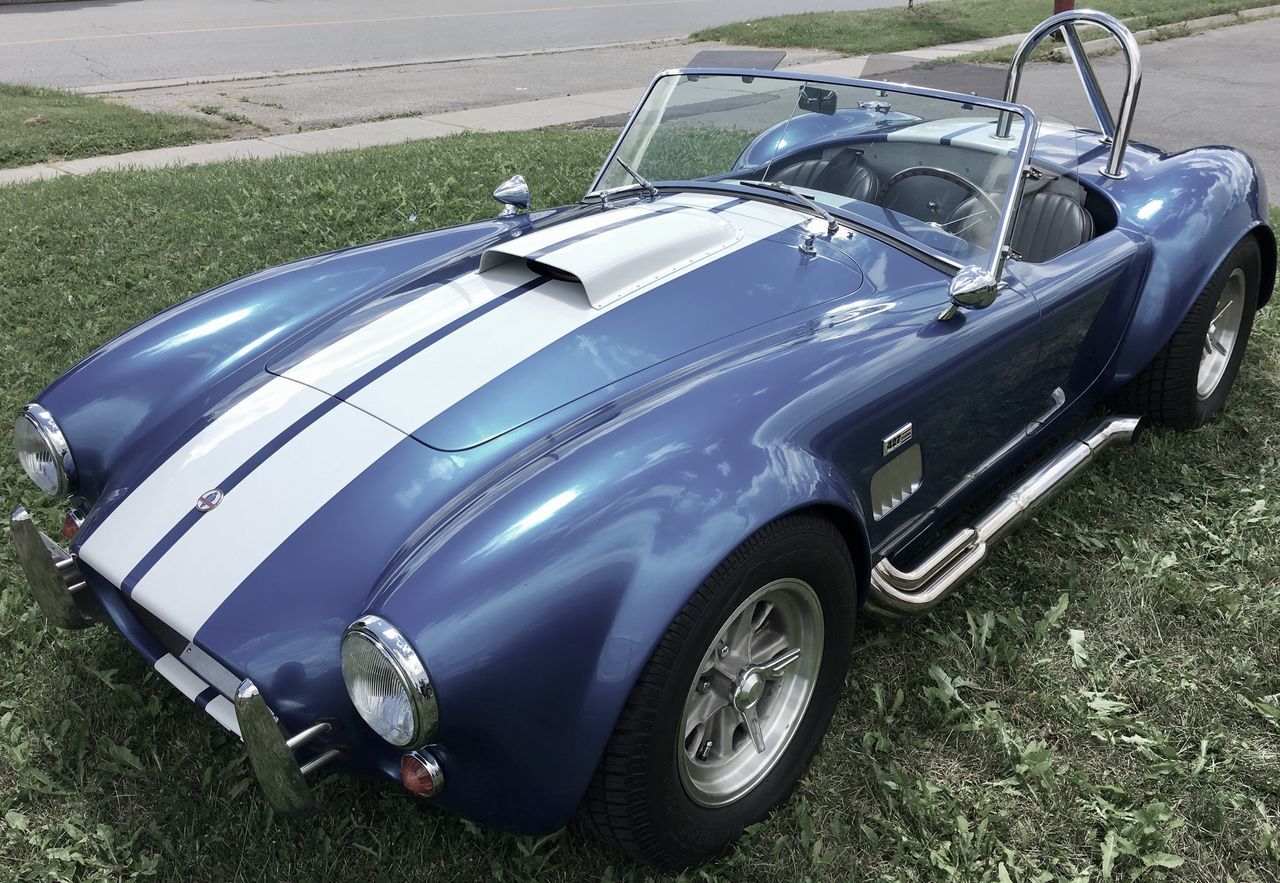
{"type": "Point", "coordinates": [732, 705]}
{"type": "Point", "coordinates": [1187, 383]}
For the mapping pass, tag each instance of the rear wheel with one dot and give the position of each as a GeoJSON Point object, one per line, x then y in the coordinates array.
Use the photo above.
{"type": "Point", "coordinates": [734, 701]}
{"type": "Point", "coordinates": [1188, 382]}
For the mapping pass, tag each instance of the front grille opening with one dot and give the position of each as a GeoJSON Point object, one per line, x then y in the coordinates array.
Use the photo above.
{"type": "Point", "coordinates": [168, 638]}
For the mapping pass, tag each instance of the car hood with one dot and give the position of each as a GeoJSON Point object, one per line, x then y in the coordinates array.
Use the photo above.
{"type": "Point", "coordinates": [541, 319]}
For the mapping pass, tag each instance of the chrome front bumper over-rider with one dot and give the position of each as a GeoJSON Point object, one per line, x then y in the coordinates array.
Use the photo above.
{"type": "Point", "coordinates": [55, 579]}
{"type": "Point", "coordinates": [51, 571]}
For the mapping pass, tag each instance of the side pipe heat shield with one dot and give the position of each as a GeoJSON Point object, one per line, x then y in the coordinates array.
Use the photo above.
{"type": "Point", "coordinates": [897, 592]}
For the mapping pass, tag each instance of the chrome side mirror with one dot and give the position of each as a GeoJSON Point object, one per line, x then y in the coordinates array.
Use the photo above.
{"type": "Point", "coordinates": [513, 193]}
{"type": "Point", "coordinates": [974, 287]}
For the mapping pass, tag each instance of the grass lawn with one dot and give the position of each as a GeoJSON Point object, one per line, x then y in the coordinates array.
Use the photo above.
{"type": "Point", "coordinates": [897, 28]}
{"type": "Point", "coordinates": [1101, 701]}
{"type": "Point", "coordinates": [43, 125]}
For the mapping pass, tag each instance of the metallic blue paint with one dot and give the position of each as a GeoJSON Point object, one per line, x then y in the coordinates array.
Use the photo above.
{"type": "Point", "coordinates": [1193, 207]}
{"type": "Point", "coordinates": [535, 572]}
{"type": "Point", "coordinates": [812, 132]}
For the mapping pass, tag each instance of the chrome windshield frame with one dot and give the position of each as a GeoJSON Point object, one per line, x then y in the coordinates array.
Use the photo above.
{"type": "Point", "coordinates": [1022, 157]}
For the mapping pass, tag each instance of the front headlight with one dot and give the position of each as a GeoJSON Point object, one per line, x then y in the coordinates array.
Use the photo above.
{"type": "Point", "coordinates": [388, 683]}
{"type": "Point", "coordinates": [43, 451]}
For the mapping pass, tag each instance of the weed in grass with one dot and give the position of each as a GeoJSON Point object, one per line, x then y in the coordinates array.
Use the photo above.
{"type": "Point", "coordinates": [1101, 702]}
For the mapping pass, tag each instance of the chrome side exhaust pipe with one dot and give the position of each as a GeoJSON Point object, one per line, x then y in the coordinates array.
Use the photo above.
{"type": "Point", "coordinates": [897, 592]}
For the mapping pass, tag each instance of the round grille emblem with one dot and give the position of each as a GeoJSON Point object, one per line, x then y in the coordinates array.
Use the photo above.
{"type": "Point", "coordinates": [208, 500]}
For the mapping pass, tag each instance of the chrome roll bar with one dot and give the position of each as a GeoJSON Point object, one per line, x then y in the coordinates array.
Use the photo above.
{"type": "Point", "coordinates": [1114, 130]}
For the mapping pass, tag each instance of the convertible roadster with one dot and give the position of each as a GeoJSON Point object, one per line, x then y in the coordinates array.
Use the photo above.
{"type": "Point", "coordinates": [573, 511]}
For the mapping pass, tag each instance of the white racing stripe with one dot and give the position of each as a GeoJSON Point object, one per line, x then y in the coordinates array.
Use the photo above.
{"type": "Point", "coordinates": [180, 676]}
{"type": "Point", "coordinates": [481, 351]}
{"type": "Point", "coordinates": [143, 518]}
{"type": "Point", "coordinates": [364, 349]}
{"type": "Point", "coordinates": [206, 565]}
{"type": "Point", "coordinates": [195, 576]}
{"type": "Point", "coordinates": [969, 132]}
{"type": "Point", "coordinates": [224, 713]}
{"type": "Point", "coordinates": [168, 494]}
{"type": "Point", "coordinates": [190, 685]}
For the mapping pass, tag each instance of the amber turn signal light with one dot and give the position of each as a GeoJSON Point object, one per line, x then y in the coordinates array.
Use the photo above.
{"type": "Point", "coordinates": [71, 524]}
{"type": "Point", "coordinates": [421, 773]}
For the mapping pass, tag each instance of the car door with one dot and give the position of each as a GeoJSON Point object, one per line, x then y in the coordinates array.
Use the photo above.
{"type": "Point", "coordinates": [947, 394]}
{"type": "Point", "coordinates": [1086, 297]}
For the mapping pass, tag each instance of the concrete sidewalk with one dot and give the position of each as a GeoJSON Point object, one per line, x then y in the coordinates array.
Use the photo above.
{"type": "Point", "coordinates": [611, 107]}
{"type": "Point", "coordinates": [588, 107]}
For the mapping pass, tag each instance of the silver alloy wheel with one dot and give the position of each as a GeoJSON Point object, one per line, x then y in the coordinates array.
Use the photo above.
{"type": "Point", "coordinates": [1220, 340]}
{"type": "Point", "coordinates": [750, 693]}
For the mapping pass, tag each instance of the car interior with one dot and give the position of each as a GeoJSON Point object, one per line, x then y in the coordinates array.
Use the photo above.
{"type": "Point", "coordinates": [952, 187]}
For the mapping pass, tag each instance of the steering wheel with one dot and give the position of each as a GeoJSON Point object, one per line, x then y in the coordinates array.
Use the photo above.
{"type": "Point", "coordinates": [986, 205]}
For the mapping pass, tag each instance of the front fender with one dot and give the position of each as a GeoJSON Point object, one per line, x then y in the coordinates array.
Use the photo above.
{"type": "Point", "coordinates": [1194, 207]}
{"type": "Point", "coordinates": [537, 605]}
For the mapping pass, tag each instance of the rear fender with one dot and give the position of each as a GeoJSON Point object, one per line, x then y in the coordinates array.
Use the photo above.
{"type": "Point", "coordinates": [1195, 207]}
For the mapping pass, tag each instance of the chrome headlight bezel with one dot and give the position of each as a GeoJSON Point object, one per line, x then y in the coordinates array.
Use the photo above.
{"type": "Point", "coordinates": [38, 419]}
{"type": "Point", "coordinates": [399, 654]}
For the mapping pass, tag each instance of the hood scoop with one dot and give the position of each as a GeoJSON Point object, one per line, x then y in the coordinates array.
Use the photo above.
{"type": "Point", "coordinates": [617, 253]}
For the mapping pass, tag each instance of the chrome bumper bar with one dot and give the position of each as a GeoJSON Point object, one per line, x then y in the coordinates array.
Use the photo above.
{"type": "Point", "coordinates": [51, 571]}
{"type": "Point", "coordinates": [55, 579]}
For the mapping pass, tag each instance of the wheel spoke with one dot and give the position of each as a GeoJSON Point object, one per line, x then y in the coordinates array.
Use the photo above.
{"type": "Point", "coordinates": [1221, 312]}
{"type": "Point", "coordinates": [1217, 345]}
{"type": "Point", "coordinates": [760, 614]}
{"type": "Point", "coordinates": [739, 637]}
{"type": "Point", "coordinates": [702, 710]}
{"type": "Point", "coordinates": [768, 645]}
{"type": "Point", "coordinates": [696, 735]}
{"type": "Point", "coordinates": [723, 726]}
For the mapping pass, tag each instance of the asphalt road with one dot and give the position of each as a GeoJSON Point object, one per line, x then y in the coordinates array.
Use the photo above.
{"type": "Point", "coordinates": [1215, 87]}
{"type": "Point", "coordinates": [112, 42]}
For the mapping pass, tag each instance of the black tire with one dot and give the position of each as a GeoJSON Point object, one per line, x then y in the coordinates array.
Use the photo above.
{"type": "Point", "coordinates": [637, 800]}
{"type": "Point", "coordinates": [1166, 392]}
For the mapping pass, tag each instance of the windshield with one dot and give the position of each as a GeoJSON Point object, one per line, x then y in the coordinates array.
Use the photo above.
{"type": "Point", "coordinates": [934, 170]}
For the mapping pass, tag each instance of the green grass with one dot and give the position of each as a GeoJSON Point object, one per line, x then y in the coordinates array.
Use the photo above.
{"type": "Point", "coordinates": [1101, 702]}
{"type": "Point", "coordinates": [45, 125]}
{"type": "Point", "coordinates": [897, 29]}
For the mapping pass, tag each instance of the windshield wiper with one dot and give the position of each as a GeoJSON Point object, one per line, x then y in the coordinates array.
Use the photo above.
{"type": "Point", "coordinates": [800, 199]}
{"type": "Point", "coordinates": [640, 179]}
{"type": "Point", "coordinates": [641, 184]}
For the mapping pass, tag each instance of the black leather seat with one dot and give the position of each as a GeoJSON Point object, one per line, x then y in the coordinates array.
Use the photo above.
{"type": "Point", "coordinates": [1050, 224]}
{"type": "Point", "coordinates": [847, 175]}
{"type": "Point", "coordinates": [802, 174]}
{"type": "Point", "coordinates": [844, 174]}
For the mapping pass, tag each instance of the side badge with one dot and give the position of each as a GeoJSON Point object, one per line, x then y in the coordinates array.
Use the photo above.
{"type": "Point", "coordinates": [897, 439]}
{"type": "Point", "coordinates": [208, 500]}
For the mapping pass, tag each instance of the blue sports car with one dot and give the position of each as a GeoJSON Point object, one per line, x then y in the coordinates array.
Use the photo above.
{"type": "Point", "coordinates": [574, 511]}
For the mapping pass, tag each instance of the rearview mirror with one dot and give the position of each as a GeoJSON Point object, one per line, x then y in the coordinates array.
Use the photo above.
{"type": "Point", "coordinates": [513, 193]}
{"type": "Point", "coordinates": [817, 100]}
{"type": "Point", "coordinates": [973, 287]}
